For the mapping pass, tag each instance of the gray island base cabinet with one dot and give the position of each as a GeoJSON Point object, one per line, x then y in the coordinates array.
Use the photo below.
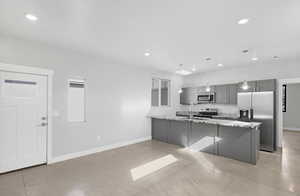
{"type": "Point", "coordinates": [202, 137]}
{"type": "Point", "coordinates": [178, 133]}
{"type": "Point", "coordinates": [159, 129]}
{"type": "Point", "coordinates": [170, 131]}
{"type": "Point", "coordinates": [238, 143]}
{"type": "Point", "coordinates": [232, 142]}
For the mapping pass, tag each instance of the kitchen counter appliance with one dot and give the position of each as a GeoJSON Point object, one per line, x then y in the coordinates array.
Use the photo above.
{"type": "Point", "coordinates": [244, 114]}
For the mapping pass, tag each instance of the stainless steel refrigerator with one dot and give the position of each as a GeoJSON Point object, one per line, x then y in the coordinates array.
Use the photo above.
{"type": "Point", "coordinates": [263, 105]}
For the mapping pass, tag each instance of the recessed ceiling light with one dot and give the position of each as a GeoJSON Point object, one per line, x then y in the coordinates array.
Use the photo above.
{"type": "Point", "coordinates": [254, 59]}
{"type": "Point", "coordinates": [147, 53]}
{"type": "Point", "coordinates": [208, 59]}
{"type": "Point", "coordinates": [243, 21]}
{"type": "Point", "coordinates": [220, 65]}
{"type": "Point", "coordinates": [31, 17]}
{"type": "Point", "coordinates": [183, 72]}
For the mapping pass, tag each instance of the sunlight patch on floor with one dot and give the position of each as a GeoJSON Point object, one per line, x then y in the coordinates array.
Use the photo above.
{"type": "Point", "coordinates": [202, 144]}
{"type": "Point", "coordinates": [152, 167]}
{"type": "Point", "coordinates": [76, 192]}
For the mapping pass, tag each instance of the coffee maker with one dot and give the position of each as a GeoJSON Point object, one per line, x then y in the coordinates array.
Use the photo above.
{"type": "Point", "coordinates": [246, 114]}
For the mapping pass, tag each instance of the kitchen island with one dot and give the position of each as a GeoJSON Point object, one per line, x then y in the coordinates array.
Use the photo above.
{"type": "Point", "coordinates": [229, 138]}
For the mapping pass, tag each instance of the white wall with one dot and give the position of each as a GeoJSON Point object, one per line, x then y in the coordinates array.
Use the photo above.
{"type": "Point", "coordinates": [291, 120]}
{"type": "Point", "coordinates": [118, 96]}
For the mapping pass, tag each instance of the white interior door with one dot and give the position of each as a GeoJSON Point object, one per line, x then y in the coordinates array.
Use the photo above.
{"type": "Point", "coordinates": [23, 120]}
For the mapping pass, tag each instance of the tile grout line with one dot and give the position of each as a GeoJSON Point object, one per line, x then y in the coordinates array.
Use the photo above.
{"type": "Point", "coordinates": [23, 180]}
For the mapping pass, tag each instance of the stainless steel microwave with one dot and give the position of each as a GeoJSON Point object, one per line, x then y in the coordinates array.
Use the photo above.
{"type": "Point", "coordinates": [208, 97]}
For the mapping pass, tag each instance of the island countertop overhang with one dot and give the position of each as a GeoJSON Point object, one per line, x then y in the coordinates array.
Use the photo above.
{"type": "Point", "coordinates": [220, 122]}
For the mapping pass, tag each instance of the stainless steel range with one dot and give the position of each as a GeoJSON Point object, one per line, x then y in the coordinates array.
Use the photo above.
{"type": "Point", "coordinates": [204, 113]}
{"type": "Point", "coordinates": [208, 113]}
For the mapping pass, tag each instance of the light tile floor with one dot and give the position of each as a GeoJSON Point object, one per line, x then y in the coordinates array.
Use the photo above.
{"type": "Point", "coordinates": [193, 174]}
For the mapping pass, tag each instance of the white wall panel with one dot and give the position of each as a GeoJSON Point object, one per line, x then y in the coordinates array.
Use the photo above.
{"type": "Point", "coordinates": [118, 96]}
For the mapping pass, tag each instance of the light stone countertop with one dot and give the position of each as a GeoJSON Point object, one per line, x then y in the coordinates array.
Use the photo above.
{"type": "Point", "coordinates": [221, 122]}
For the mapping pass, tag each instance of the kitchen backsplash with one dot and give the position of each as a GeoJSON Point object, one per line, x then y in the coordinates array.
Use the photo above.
{"type": "Point", "coordinates": [223, 109]}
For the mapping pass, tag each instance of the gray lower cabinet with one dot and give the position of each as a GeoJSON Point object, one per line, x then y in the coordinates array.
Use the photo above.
{"type": "Point", "coordinates": [235, 143]}
{"type": "Point", "coordinates": [178, 133]}
{"type": "Point", "coordinates": [160, 129]}
{"type": "Point", "coordinates": [202, 137]}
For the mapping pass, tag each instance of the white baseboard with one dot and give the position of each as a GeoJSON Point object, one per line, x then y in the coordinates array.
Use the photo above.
{"type": "Point", "coordinates": [96, 150]}
{"type": "Point", "coordinates": [291, 129]}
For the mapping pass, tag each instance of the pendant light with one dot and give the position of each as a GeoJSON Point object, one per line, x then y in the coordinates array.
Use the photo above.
{"type": "Point", "coordinates": [245, 85]}
{"type": "Point", "coordinates": [207, 88]}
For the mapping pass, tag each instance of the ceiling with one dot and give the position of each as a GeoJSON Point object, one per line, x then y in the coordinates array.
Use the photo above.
{"type": "Point", "coordinates": [173, 31]}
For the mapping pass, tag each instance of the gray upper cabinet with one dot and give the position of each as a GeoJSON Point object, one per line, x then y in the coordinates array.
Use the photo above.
{"type": "Point", "coordinates": [184, 96]}
{"type": "Point", "coordinates": [266, 85]}
{"type": "Point", "coordinates": [222, 95]}
{"type": "Point", "coordinates": [251, 84]}
{"type": "Point", "coordinates": [188, 96]}
{"type": "Point", "coordinates": [226, 94]}
{"type": "Point", "coordinates": [259, 86]}
{"type": "Point", "coordinates": [233, 90]}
